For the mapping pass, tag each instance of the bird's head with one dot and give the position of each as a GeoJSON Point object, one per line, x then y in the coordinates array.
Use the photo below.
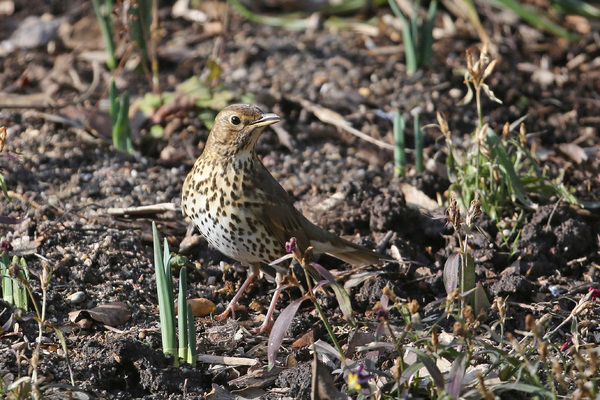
{"type": "Point", "coordinates": [237, 128]}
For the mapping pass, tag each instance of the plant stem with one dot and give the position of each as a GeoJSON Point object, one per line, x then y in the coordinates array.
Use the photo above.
{"type": "Point", "coordinates": [322, 314]}
{"type": "Point", "coordinates": [328, 327]}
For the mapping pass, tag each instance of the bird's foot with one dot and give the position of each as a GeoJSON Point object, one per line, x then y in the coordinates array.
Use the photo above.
{"type": "Point", "coordinates": [233, 305]}
{"type": "Point", "coordinates": [265, 327]}
{"type": "Point", "coordinates": [231, 308]}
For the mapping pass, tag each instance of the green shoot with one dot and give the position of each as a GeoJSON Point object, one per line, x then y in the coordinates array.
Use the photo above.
{"type": "Point", "coordinates": [399, 144]}
{"type": "Point", "coordinates": [143, 24]}
{"type": "Point", "coordinates": [418, 144]}
{"type": "Point", "coordinates": [186, 352]}
{"type": "Point", "coordinates": [119, 115]}
{"type": "Point", "coordinates": [417, 35]}
{"type": "Point", "coordinates": [15, 277]}
{"type": "Point", "coordinates": [164, 288]}
{"type": "Point", "coordinates": [104, 17]}
{"type": "Point", "coordinates": [181, 315]}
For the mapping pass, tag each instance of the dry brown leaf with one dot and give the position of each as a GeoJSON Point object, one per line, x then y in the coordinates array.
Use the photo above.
{"type": "Point", "coordinates": [416, 198]}
{"type": "Point", "coordinates": [112, 314]}
{"type": "Point", "coordinates": [305, 340]}
{"type": "Point", "coordinates": [573, 151]}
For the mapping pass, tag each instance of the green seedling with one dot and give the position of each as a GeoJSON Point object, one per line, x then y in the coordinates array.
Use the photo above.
{"type": "Point", "coordinates": [104, 16]}
{"type": "Point", "coordinates": [417, 34]}
{"type": "Point", "coordinates": [119, 115]}
{"type": "Point", "coordinates": [169, 324]}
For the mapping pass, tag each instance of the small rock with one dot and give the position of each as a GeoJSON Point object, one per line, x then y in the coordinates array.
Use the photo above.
{"type": "Point", "coordinates": [77, 297]}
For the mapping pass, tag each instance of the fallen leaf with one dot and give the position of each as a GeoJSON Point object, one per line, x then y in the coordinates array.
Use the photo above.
{"type": "Point", "coordinates": [417, 199]}
{"type": "Point", "coordinates": [573, 151]}
{"type": "Point", "coordinates": [112, 314]}
{"type": "Point", "coordinates": [305, 340]}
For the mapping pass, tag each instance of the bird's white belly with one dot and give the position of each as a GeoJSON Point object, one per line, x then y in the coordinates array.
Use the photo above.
{"type": "Point", "coordinates": [220, 236]}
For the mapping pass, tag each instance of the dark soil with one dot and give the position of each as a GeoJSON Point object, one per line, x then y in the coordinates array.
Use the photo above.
{"type": "Point", "coordinates": [67, 179]}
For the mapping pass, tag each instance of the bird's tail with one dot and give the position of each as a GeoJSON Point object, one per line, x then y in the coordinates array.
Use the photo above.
{"type": "Point", "coordinates": [349, 252]}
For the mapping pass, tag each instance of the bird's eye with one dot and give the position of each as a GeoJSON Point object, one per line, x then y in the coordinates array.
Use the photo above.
{"type": "Point", "coordinates": [235, 120]}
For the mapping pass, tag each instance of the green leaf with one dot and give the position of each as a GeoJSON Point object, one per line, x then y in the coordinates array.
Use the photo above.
{"type": "Point", "coordinates": [63, 344]}
{"type": "Point", "coordinates": [427, 34]}
{"type": "Point", "coordinates": [410, 51]}
{"type": "Point", "coordinates": [289, 21]}
{"type": "Point", "coordinates": [4, 187]}
{"type": "Point", "coordinates": [7, 283]}
{"type": "Point", "coordinates": [534, 17]}
{"type": "Point", "coordinates": [214, 70]}
{"type": "Point", "coordinates": [19, 290]}
{"type": "Point", "coordinates": [418, 145]}
{"type": "Point", "coordinates": [247, 98]}
{"type": "Point", "coordinates": [399, 144]}
{"type": "Point", "coordinates": [192, 351]}
{"type": "Point", "coordinates": [499, 152]}
{"type": "Point", "coordinates": [113, 96]}
{"type": "Point", "coordinates": [578, 7]}
{"type": "Point", "coordinates": [151, 102]}
{"type": "Point", "coordinates": [340, 293]}
{"type": "Point", "coordinates": [106, 27]}
{"type": "Point", "coordinates": [167, 267]}
{"type": "Point", "coordinates": [119, 115]}
{"type": "Point", "coordinates": [218, 101]}
{"type": "Point", "coordinates": [408, 373]}
{"type": "Point", "coordinates": [467, 272]}
{"type": "Point", "coordinates": [480, 300]}
{"type": "Point", "coordinates": [194, 88]}
{"type": "Point", "coordinates": [182, 323]}
{"type": "Point", "coordinates": [429, 363]}
{"type": "Point", "coordinates": [523, 387]}
{"type": "Point", "coordinates": [207, 117]}
{"type": "Point", "coordinates": [165, 297]}
{"type": "Point", "coordinates": [157, 131]}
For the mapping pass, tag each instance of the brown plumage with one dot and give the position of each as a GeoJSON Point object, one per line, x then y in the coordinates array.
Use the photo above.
{"type": "Point", "coordinates": [243, 212]}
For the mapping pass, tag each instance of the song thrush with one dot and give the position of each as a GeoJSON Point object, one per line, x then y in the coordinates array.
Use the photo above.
{"type": "Point", "coordinates": [243, 212]}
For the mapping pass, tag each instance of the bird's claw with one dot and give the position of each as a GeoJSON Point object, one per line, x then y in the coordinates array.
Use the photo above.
{"type": "Point", "coordinates": [229, 310]}
{"type": "Point", "coordinates": [262, 329]}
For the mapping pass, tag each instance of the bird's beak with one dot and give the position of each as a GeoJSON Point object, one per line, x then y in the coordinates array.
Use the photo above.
{"type": "Point", "coordinates": [267, 119]}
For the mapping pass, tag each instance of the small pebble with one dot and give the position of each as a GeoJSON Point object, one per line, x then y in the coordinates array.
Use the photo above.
{"type": "Point", "coordinates": [77, 297]}
{"type": "Point", "coordinates": [555, 290]}
{"type": "Point", "coordinates": [455, 93]}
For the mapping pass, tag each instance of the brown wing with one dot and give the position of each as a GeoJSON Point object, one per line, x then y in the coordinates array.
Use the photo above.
{"type": "Point", "coordinates": [278, 212]}
{"type": "Point", "coordinates": [285, 221]}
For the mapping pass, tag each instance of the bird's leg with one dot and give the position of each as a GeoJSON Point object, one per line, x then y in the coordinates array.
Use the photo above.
{"type": "Point", "coordinates": [233, 303]}
{"type": "Point", "coordinates": [266, 325]}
